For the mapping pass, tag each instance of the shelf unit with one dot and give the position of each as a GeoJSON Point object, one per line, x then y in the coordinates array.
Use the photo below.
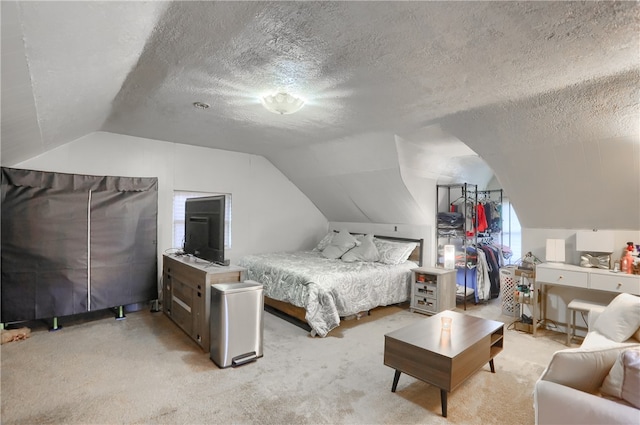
{"type": "Point", "coordinates": [497, 342]}
{"type": "Point", "coordinates": [452, 229]}
{"type": "Point", "coordinates": [433, 290]}
{"type": "Point", "coordinates": [530, 298]}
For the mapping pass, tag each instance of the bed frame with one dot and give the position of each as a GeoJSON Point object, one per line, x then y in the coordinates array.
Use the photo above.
{"type": "Point", "coordinates": [296, 315]}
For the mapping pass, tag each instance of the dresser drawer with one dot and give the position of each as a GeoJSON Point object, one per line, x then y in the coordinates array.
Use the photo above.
{"type": "Point", "coordinates": [562, 277]}
{"type": "Point", "coordinates": [616, 282]}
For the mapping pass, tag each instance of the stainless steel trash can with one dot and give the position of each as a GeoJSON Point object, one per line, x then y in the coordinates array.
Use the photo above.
{"type": "Point", "coordinates": [236, 323]}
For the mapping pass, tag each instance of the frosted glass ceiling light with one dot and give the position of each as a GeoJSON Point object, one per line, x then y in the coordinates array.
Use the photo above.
{"type": "Point", "coordinates": [282, 103]}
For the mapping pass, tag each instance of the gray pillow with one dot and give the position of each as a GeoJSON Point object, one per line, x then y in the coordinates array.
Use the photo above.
{"type": "Point", "coordinates": [367, 251]}
{"type": "Point", "coordinates": [394, 252]}
{"type": "Point", "coordinates": [341, 243]}
{"type": "Point", "coordinates": [326, 240]}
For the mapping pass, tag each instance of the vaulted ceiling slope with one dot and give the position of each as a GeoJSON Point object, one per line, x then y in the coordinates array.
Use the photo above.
{"type": "Point", "coordinates": [545, 92]}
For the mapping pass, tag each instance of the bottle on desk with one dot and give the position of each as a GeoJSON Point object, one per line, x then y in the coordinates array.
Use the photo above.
{"type": "Point", "coordinates": [626, 262]}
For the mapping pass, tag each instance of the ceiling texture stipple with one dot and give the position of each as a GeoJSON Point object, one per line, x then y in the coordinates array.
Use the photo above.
{"type": "Point", "coordinates": [457, 90]}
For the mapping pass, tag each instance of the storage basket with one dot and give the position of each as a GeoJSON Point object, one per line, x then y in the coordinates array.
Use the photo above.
{"type": "Point", "coordinates": [508, 283]}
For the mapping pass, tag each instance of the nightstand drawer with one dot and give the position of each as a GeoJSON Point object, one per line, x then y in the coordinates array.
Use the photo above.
{"type": "Point", "coordinates": [616, 282]}
{"type": "Point", "coordinates": [429, 290]}
{"type": "Point", "coordinates": [426, 304]}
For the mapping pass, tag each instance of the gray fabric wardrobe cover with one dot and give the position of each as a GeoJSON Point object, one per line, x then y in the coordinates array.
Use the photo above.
{"type": "Point", "coordinates": [76, 243]}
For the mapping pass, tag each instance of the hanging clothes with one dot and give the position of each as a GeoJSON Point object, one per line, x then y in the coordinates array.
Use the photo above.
{"type": "Point", "coordinates": [494, 261]}
{"type": "Point", "coordinates": [483, 284]}
{"type": "Point", "coordinates": [481, 218]}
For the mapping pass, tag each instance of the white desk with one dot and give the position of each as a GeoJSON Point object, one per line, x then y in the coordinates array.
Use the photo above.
{"type": "Point", "coordinates": [568, 275]}
{"type": "Point", "coordinates": [587, 278]}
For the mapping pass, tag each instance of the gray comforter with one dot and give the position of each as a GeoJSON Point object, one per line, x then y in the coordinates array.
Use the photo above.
{"type": "Point", "coordinates": [328, 289]}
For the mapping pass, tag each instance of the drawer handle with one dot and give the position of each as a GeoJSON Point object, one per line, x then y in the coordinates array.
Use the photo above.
{"type": "Point", "coordinates": [560, 277]}
{"type": "Point", "coordinates": [619, 284]}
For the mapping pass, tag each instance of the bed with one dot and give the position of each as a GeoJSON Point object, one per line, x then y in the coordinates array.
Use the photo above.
{"type": "Point", "coordinates": [317, 292]}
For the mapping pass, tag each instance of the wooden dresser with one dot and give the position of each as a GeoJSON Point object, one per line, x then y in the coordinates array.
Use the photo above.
{"type": "Point", "coordinates": [186, 292]}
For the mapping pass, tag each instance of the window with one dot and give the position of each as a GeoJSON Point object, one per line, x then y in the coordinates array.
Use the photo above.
{"type": "Point", "coordinates": [179, 199]}
{"type": "Point", "coordinates": [511, 231]}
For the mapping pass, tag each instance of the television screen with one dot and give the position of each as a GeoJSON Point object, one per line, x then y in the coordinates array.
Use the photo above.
{"type": "Point", "coordinates": [205, 228]}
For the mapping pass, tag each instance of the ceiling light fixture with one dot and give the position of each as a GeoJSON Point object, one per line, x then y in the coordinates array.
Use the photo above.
{"type": "Point", "coordinates": [282, 103]}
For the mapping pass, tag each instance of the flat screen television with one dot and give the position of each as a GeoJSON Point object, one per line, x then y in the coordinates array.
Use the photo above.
{"type": "Point", "coordinates": [204, 228]}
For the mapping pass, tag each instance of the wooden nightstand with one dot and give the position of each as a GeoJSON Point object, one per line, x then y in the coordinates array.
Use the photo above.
{"type": "Point", "coordinates": [433, 290]}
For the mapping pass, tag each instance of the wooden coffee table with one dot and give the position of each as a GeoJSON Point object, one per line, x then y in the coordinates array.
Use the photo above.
{"type": "Point", "coordinates": [443, 358]}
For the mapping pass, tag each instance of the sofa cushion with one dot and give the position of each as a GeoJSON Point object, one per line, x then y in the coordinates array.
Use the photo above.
{"type": "Point", "coordinates": [583, 369]}
{"type": "Point", "coordinates": [623, 380]}
{"type": "Point", "coordinates": [595, 339]}
{"type": "Point", "coordinates": [620, 319]}
{"type": "Point", "coordinates": [557, 404]}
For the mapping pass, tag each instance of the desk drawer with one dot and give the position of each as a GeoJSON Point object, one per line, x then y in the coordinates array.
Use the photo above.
{"type": "Point", "coordinates": [562, 277]}
{"type": "Point", "coordinates": [616, 282]}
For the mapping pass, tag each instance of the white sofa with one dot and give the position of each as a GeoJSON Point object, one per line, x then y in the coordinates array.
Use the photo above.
{"type": "Point", "coordinates": [571, 391]}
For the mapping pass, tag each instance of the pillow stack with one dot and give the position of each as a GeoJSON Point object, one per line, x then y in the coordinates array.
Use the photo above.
{"type": "Point", "coordinates": [366, 251]}
{"type": "Point", "coordinates": [365, 248]}
{"type": "Point", "coordinates": [342, 242]}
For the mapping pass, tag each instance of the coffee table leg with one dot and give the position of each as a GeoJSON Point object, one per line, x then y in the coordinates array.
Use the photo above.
{"type": "Point", "coordinates": [396, 377]}
{"type": "Point", "coordinates": [493, 369]}
{"type": "Point", "coordinates": [443, 401]}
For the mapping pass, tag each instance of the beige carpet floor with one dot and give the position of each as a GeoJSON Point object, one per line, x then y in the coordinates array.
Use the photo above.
{"type": "Point", "coordinates": [144, 370]}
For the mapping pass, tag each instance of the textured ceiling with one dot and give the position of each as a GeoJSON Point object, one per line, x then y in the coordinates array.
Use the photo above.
{"type": "Point", "coordinates": [516, 82]}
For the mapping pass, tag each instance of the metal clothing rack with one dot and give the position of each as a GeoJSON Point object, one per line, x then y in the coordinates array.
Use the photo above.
{"type": "Point", "coordinates": [463, 196]}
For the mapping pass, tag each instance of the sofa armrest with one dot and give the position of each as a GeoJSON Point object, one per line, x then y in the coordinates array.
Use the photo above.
{"type": "Point", "coordinates": [583, 369]}
{"type": "Point", "coordinates": [557, 404]}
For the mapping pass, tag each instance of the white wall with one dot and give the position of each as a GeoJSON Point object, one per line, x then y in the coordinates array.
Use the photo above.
{"type": "Point", "coordinates": [269, 212]}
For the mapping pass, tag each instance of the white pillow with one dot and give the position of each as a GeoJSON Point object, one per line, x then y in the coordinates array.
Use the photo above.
{"type": "Point", "coordinates": [583, 369]}
{"type": "Point", "coordinates": [342, 242]}
{"type": "Point", "coordinates": [623, 380]}
{"type": "Point", "coordinates": [394, 252]}
{"type": "Point", "coordinates": [326, 240]}
{"type": "Point", "coordinates": [367, 251]}
{"type": "Point", "coordinates": [620, 319]}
